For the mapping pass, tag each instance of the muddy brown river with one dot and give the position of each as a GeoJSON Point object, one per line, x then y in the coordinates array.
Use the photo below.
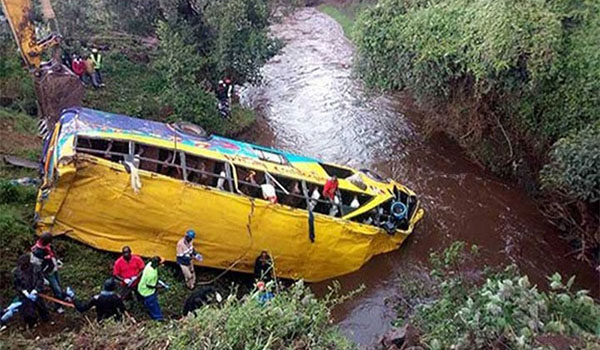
{"type": "Point", "coordinates": [312, 105]}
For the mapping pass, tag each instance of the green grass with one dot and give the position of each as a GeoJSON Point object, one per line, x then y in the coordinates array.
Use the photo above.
{"type": "Point", "coordinates": [344, 14]}
{"type": "Point", "coordinates": [20, 122]}
{"type": "Point", "coordinates": [131, 89]}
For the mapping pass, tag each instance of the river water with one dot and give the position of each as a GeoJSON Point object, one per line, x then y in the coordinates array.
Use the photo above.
{"type": "Point", "coordinates": [312, 105]}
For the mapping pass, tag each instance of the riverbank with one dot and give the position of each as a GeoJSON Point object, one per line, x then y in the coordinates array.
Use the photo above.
{"type": "Point", "coordinates": [550, 157]}
{"type": "Point", "coordinates": [323, 111]}
{"type": "Point", "coordinates": [516, 100]}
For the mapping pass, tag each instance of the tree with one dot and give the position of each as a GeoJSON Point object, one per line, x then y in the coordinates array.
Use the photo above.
{"type": "Point", "coordinates": [179, 64]}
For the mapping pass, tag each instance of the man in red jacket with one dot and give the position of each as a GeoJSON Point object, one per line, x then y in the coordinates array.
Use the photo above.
{"type": "Point", "coordinates": [127, 270]}
{"type": "Point", "coordinates": [329, 192]}
{"type": "Point", "coordinates": [78, 66]}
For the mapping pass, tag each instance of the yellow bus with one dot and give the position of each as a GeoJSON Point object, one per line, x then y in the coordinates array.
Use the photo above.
{"type": "Point", "coordinates": [112, 180]}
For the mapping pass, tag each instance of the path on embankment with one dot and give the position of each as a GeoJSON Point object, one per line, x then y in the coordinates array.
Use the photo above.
{"type": "Point", "coordinates": [313, 106]}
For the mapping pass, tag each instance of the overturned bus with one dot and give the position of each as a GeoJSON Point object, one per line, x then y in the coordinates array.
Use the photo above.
{"type": "Point", "coordinates": [112, 180]}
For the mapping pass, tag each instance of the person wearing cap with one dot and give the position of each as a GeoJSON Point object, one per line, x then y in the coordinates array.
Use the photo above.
{"type": "Point", "coordinates": [185, 254]}
{"type": "Point", "coordinates": [127, 270]}
{"type": "Point", "coordinates": [96, 57]}
{"type": "Point", "coordinates": [148, 286]}
{"type": "Point", "coordinates": [108, 304]}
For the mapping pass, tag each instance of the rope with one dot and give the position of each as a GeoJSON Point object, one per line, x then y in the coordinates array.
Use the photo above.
{"type": "Point", "coordinates": [249, 228]}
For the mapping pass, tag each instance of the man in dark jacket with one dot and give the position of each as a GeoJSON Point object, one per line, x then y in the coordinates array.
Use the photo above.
{"type": "Point", "coordinates": [108, 303]}
{"type": "Point", "coordinates": [263, 267]}
{"type": "Point", "coordinates": [28, 281]}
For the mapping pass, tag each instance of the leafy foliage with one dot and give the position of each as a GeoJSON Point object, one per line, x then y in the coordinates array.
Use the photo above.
{"type": "Point", "coordinates": [533, 63]}
{"type": "Point", "coordinates": [506, 79]}
{"type": "Point", "coordinates": [241, 42]}
{"type": "Point", "coordinates": [503, 311]}
{"type": "Point", "coordinates": [179, 65]}
{"type": "Point", "coordinates": [575, 164]}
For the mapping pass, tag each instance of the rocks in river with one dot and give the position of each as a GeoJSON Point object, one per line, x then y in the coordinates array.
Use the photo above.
{"type": "Point", "coordinates": [405, 338]}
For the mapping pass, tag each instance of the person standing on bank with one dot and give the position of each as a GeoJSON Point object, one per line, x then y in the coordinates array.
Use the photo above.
{"type": "Point", "coordinates": [96, 57]}
{"type": "Point", "coordinates": [44, 257]}
{"type": "Point", "coordinates": [185, 254]}
{"type": "Point", "coordinates": [127, 270]}
{"type": "Point", "coordinates": [148, 288]}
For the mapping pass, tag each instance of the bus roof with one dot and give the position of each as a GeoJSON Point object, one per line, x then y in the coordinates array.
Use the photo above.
{"type": "Point", "coordinates": [94, 123]}
{"type": "Point", "coordinates": [89, 121]}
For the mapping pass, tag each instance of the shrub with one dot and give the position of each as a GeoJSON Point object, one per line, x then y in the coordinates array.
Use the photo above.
{"type": "Point", "coordinates": [574, 165]}
{"type": "Point", "coordinates": [241, 42]}
{"type": "Point", "coordinates": [503, 311]}
{"type": "Point", "coordinates": [179, 64]}
{"type": "Point", "coordinates": [12, 194]}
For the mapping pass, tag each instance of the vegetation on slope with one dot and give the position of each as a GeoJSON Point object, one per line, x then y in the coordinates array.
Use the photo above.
{"type": "Point", "coordinates": [455, 308]}
{"type": "Point", "coordinates": [163, 63]}
{"type": "Point", "coordinates": [294, 319]}
{"type": "Point", "coordinates": [506, 79]}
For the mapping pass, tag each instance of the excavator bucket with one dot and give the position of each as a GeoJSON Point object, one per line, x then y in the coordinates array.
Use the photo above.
{"type": "Point", "coordinates": [57, 88]}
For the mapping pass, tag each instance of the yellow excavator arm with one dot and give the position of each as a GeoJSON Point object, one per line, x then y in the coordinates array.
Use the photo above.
{"type": "Point", "coordinates": [19, 14]}
{"type": "Point", "coordinates": [56, 86]}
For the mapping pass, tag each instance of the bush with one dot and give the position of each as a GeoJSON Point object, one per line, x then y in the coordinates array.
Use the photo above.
{"type": "Point", "coordinates": [531, 66]}
{"type": "Point", "coordinates": [241, 40]}
{"type": "Point", "coordinates": [15, 194]}
{"type": "Point", "coordinates": [179, 65]}
{"type": "Point", "coordinates": [503, 311]}
{"type": "Point", "coordinates": [574, 165]}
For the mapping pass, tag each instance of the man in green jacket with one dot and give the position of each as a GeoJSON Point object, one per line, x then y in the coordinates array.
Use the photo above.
{"type": "Point", "coordinates": [96, 57]}
{"type": "Point", "coordinates": [148, 285]}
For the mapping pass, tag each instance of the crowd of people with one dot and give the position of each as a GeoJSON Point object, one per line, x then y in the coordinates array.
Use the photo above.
{"type": "Point", "coordinates": [132, 280]}
{"type": "Point", "coordinates": [88, 67]}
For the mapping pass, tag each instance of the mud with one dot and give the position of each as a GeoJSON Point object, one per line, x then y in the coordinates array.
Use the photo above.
{"type": "Point", "coordinates": [313, 105]}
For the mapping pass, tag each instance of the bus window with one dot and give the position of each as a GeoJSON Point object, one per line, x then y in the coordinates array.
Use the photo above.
{"type": "Point", "coordinates": [111, 150]}
{"type": "Point", "coordinates": [333, 170]}
{"type": "Point", "coordinates": [249, 181]}
{"type": "Point", "coordinates": [208, 172]}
